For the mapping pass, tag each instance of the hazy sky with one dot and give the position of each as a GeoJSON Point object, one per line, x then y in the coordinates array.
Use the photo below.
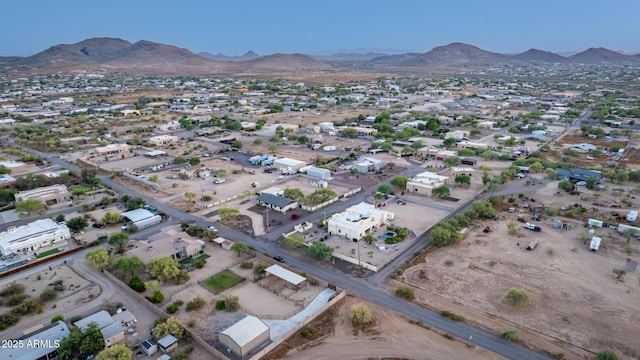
{"type": "Point", "coordinates": [269, 26]}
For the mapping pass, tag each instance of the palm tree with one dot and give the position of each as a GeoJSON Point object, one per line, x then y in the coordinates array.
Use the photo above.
{"type": "Point", "coordinates": [369, 239]}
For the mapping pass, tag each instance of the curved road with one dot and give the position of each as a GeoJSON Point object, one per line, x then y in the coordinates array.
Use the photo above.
{"type": "Point", "coordinates": [367, 289]}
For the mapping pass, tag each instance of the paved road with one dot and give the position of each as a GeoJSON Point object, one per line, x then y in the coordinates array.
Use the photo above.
{"type": "Point", "coordinates": [361, 287]}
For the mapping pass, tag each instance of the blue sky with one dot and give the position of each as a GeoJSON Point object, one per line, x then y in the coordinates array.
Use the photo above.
{"type": "Point", "coordinates": [233, 27]}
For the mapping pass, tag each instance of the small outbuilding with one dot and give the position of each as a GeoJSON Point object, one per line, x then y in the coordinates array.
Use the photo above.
{"type": "Point", "coordinates": [244, 336]}
{"type": "Point", "coordinates": [291, 279]}
{"type": "Point", "coordinates": [168, 343]}
{"type": "Point", "coordinates": [323, 174]}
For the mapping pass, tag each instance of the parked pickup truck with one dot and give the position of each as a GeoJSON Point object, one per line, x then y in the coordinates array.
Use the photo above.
{"type": "Point", "coordinates": [533, 227]}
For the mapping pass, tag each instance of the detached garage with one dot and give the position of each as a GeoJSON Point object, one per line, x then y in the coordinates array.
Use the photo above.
{"type": "Point", "coordinates": [244, 336]}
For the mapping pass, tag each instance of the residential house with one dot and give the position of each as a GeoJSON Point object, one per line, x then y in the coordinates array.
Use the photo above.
{"type": "Point", "coordinates": [424, 183]}
{"type": "Point", "coordinates": [357, 221]}
{"type": "Point", "coordinates": [163, 139]}
{"type": "Point", "coordinates": [429, 153]}
{"type": "Point", "coordinates": [277, 203]}
{"type": "Point", "coordinates": [50, 195]}
{"type": "Point", "coordinates": [288, 165]}
{"type": "Point", "coordinates": [367, 165]}
{"type": "Point", "coordinates": [112, 331]}
{"type": "Point", "coordinates": [172, 243]}
{"type": "Point", "coordinates": [112, 149]}
{"type": "Point", "coordinates": [578, 174]}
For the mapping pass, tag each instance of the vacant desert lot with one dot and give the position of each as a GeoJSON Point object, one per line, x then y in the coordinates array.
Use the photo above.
{"type": "Point", "coordinates": [576, 298]}
{"type": "Point", "coordinates": [392, 337]}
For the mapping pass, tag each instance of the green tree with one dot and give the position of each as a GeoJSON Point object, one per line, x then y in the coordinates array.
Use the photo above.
{"type": "Point", "coordinates": [349, 132]}
{"type": "Point", "coordinates": [518, 297]}
{"type": "Point", "coordinates": [448, 142]}
{"type": "Point", "coordinates": [29, 205]}
{"type": "Point", "coordinates": [98, 258]}
{"type": "Point", "coordinates": [622, 176]}
{"type": "Point", "coordinates": [417, 144]}
{"type": "Point", "coordinates": [369, 239]}
{"type": "Point", "coordinates": [272, 148]}
{"type": "Point", "coordinates": [606, 355]}
{"type": "Point", "coordinates": [441, 191]}
{"type": "Point", "coordinates": [236, 144]}
{"type": "Point", "coordinates": [164, 269]}
{"type": "Point", "coordinates": [221, 173]}
{"type": "Point", "coordinates": [565, 185]}
{"type": "Point", "coordinates": [321, 251]}
{"type": "Point", "coordinates": [111, 217]}
{"type": "Point", "coordinates": [384, 188]}
{"type": "Point", "coordinates": [70, 345]}
{"type": "Point", "coordinates": [189, 195]}
{"type": "Point", "coordinates": [483, 209]}
{"type": "Point", "coordinates": [171, 326]}
{"type": "Point", "coordinates": [452, 161]}
{"type": "Point", "coordinates": [77, 223]}
{"type": "Point", "coordinates": [591, 182]}
{"type": "Point", "coordinates": [239, 247]}
{"type": "Point", "coordinates": [293, 193]}
{"type": "Point", "coordinates": [442, 235]}
{"type": "Point", "coordinates": [115, 352]}
{"type": "Point", "coordinates": [194, 161]}
{"type": "Point", "coordinates": [226, 213]}
{"type": "Point", "coordinates": [463, 180]}
{"type": "Point", "coordinates": [129, 265]}
{"type": "Point", "coordinates": [294, 241]}
{"type": "Point", "coordinates": [179, 160]}
{"type": "Point", "coordinates": [399, 181]}
{"type": "Point", "coordinates": [257, 142]}
{"type": "Point", "coordinates": [57, 318]}
{"type": "Point", "coordinates": [153, 178]}
{"type": "Point", "coordinates": [407, 150]}
{"type": "Point", "coordinates": [119, 239]}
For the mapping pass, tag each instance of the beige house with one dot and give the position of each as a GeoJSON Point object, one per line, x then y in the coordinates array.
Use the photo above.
{"type": "Point", "coordinates": [357, 221]}
{"type": "Point", "coordinates": [424, 183]}
{"type": "Point", "coordinates": [173, 243]}
{"type": "Point", "coordinates": [457, 134]}
{"type": "Point", "coordinates": [50, 195]}
{"type": "Point", "coordinates": [112, 149]}
{"type": "Point", "coordinates": [160, 140]}
{"type": "Point", "coordinates": [426, 153]}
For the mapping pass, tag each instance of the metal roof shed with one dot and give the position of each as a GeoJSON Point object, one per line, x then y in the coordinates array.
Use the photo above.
{"type": "Point", "coordinates": [244, 336]}
{"type": "Point", "coordinates": [138, 215]}
{"type": "Point", "coordinates": [286, 275]}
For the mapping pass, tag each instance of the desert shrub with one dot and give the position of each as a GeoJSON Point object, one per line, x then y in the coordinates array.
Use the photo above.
{"type": "Point", "coordinates": [15, 299]}
{"type": "Point", "coordinates": [606, 355]}
{"type": "Point", "coordinates": [510, 334]}
{"type": "Point", "coordinates": [309, 332]}
{"type": "Point", "coordinates": [198, 263]}
{"type": "Point", "coordinates": [405, 293]}
{"type": "Point", "coordinates": [178, 302]}
{"type": "Point", "coordinates": [232, 303]}
{"type": "Point", "coordinates": [360, 315]}
{"type": "Point", "coordinates": [173, 308]}
{"type": "Point", "coordinates": [519, 297]}
{"type": "Point", "coordinates": [12, 289]}
{"type": "Point", "coordinates": [246, 265]}
{"type": "Point", "coordinates": [136, 284]}
{"type": "Point", "coordinates": [195, 304]}
{"type": "Point", "coordinates": [157, 297]}
{"type": "Point", "coordinates": [48, 295]}
{"type": "Point", "coordinates": [29, 306]}
{"type": "Point", "coordinates": [221, 305]}
{"type": "Point", "coordinates": [58, 317]}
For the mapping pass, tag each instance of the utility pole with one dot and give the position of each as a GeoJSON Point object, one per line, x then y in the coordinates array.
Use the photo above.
{"type": "Point", "coordinates": [267, 227]}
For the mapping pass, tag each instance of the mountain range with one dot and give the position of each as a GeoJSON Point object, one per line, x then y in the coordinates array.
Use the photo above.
{"type": "Point", "coordinates": [154, 58]}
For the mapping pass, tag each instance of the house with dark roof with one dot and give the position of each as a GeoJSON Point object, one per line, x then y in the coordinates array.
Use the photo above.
{"type": "Point", "coordinates": [578, 174]}
{"type": "Point", "coordinates": [278, 203]}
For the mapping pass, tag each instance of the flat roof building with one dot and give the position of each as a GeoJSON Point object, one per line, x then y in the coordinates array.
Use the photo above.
{"type": "Point", "coordinates": [164, 139]}
{"type": "Point", "coordinates": [50, 195]}
{"type": "Point", "coordinates": [112, 149]}
{"type": "Point", "coordinates": [288, 165]}
{"type": "Point", "coordinates": [425, 182]}
{"type": "Point", "coordinates": [357, 221]}
{"type": "Point", "coordinates": [33, 236]}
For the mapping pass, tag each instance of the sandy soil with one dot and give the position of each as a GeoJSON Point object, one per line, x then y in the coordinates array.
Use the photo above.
{"type": "Point", "coordinates": [577, 303]}
{"type": "Point", "coordinates": [78, 291]}
{"type": "Point", "coordinates": [391, 337]}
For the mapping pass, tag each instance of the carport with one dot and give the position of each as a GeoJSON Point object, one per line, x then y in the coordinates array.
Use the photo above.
{"type": "Point", "coordinates": [290, 279]}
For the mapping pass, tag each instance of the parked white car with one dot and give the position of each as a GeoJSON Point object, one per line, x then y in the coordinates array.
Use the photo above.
{"type": "Point", "coordinates": [219, 181]}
